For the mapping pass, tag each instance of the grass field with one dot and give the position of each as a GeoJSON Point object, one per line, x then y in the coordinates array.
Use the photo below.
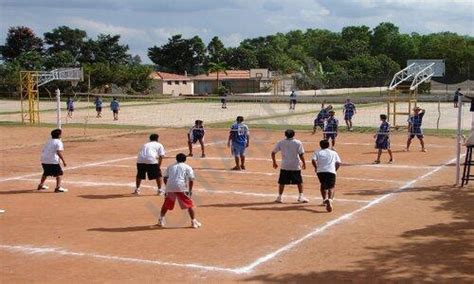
{"type": "Point", "coordinates": [404, 222]}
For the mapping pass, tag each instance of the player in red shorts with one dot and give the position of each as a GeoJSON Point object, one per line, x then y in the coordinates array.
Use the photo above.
{"type": "Point", "coordinates": [179, 180]}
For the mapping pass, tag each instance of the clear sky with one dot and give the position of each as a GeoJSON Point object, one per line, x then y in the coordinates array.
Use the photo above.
{"type": "Point", "coordinates": [144, 23]}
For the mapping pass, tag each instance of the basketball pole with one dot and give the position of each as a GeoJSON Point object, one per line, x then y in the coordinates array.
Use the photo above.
{"type": "Point", "coordinates": [459, 141]}
{"type": "Point", "coordinates": [58, 108]}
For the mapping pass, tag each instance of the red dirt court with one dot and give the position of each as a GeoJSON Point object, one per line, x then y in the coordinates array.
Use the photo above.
{"type": "Point", "coordinates": [400, 222]}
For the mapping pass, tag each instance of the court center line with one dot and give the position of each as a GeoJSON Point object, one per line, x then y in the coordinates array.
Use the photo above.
{"type": "Point", "coordinates": [320, 229]}
{"type": "Point", "coordinates": [239, 270]}
{"type": "Point", "coordinates": [196, 189]}
{"type": "Point", "coordinates": [101, 163]}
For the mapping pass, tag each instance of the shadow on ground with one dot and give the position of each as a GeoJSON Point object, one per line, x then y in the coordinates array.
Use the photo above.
{"type": "Point", "coordinates": [442, 252]}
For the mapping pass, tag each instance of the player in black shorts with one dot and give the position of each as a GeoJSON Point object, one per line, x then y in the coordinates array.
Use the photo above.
{"type": "Point", "coordinates": [195, 134]}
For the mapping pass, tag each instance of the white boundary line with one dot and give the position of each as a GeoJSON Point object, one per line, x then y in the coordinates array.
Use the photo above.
{"type": "Point", "coordinates": [238, 270]}
{"type": "Point", "coordinates": [354, 143]}
{"type": "Point", "coordinates": [101, 163]}
{"type": "Point", "coordinates": [204, 190]}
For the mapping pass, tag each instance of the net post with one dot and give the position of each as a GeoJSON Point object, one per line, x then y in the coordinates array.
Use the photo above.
{"type": "Point", "coordinates": [458, 142]}
{"type": "Point", "coordinates": [58, 108]}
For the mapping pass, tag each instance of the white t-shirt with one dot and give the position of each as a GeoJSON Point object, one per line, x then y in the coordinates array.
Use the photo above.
{"type": "Point", "coordinates": [149, 153]}
{"type": "Point", "coordinates": [290, 151]}
{"type": "Point", "coordinates": [50, 151]}
{"type": "Point", "coordinates": [178, 174]}
{"type": "Point", "coordinates": [326, 160]}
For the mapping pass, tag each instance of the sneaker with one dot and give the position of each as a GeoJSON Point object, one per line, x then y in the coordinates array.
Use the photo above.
{"type": "Point", "coordinates": [203, 155]}
{"type": "Point", "coordinates": [190, 155]}
{"type": "Point", "coordinates": [279, 200]}
{"type": "Point", "coordinates": [235, 169]}
{"type": "Point", "coordinates": [390, 161]}
{"type": "Point", "coordinates": [60, 189]}
{"type": "Point", "coordinates": [136, 191]}
{"type": "Point", "coordinates": [242, 167]}
{"type": "Point", "coordinates": [376, 162]}
{"type": "Point", "coordinates": [42, 187]}
{"type": "Point", "coordinates": [423, 150]}
{"type": "Point", "coordinates": [161, 192]}
{"type": "Point", "coordinates": [2, 211]}
{"type": "Point", "coordinates": [302, 199]}
{"type": "Point", "coordinates": [328, 205]}
{"type": "Point", "coordinates": [161, 222]}
{"type": "Point", "coordinates": [406, 150]}
{"type": "Point", "coordinates": [195, 224]}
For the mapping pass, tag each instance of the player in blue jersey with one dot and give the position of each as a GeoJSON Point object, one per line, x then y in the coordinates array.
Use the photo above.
{"type": "Point", "coordinates": [349, 110]}
{"type": "Point", "coordinates": [98, 106]}
{"type": "Point", "coordinates": [414, 128]}
{"type": "Point", "coordinates": [239, 141]}
{"type": "Point", "coordinates": [330, 128]}
{"type": "Point", "coordinates": [196, 134]}
{"type": "Point", "coordinates": [382, 139]}
{"type": "Point", "coordinates": [321, 118]}
{"type": "Point", "coordinates": [70, 106]}
{"type": "Point", "coordinates": [115, 107]}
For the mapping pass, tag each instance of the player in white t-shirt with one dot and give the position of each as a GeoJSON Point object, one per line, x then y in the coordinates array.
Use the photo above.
{"type": "Point", "coordinates": [149, 161]}
{"type": "Point", "coordinates": [179, 180]}
{"type": "Point", "coordinates": [326, 162]}
{"type": "Point", "coordinates": [290, 173]}
{"type": "Point", "coordinates": [51, 156]}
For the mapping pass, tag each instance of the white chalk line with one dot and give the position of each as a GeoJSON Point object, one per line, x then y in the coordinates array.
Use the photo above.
{"type": "Point", "coordinates": [354, 143]}
{"type": "Point", "coordinates": [273, 174]}
{"type": "Point", "coordinates": [239, 270]}
{"type": "Point", "coordinates": [320, 229]}
{"type": "Point", "coordinates": [196, 189]}
{"type": "Point", "coordinates": [100, 163]}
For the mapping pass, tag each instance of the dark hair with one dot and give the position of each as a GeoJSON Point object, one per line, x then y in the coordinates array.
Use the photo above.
{"type": "Point", "coordinates": [459, 89]}
{"type": "Point", "coordinates": [56, 133]}
{"type": "Point", "coordinates": [198, 121]}
{"type": "Point", "coordinates": [324, 144]}
{"type": "Point", "coordinates": [383, 116]}
{"type": "Point", "coordinates": [154, 137]}
{"type": "Point", "coordinates": [289, 133]}
{"type": "Point", "coordinates": [240, 118]}
{"type": "Point", "coordinates": [181, 158]}
{"type": "Point", "coordinates": [114, 98]}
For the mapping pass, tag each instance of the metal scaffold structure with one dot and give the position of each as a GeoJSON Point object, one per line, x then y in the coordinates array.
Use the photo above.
{"type": "Point", "coordinates": [30, 81]}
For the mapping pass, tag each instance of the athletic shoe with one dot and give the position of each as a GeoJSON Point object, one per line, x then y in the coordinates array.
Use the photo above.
{"type": "Point", "coordinates": [2, 211]}
{"type": "Point", "coordinates": [242, 167]}
{"type": "Point", "coordinates": [390, 161]}
{"type": "Point", "coordinates": [203, 155]}
{"type": "Point", "coordinates": [162, 222]}
{"type": "Point", "coordinates": [161, 192]}
{"type": "Point", "coordinates": [406, 150]}
{"type": "Point", "coordinates": [195, 224]}
{"type": "Point", "coordinates": [190, 155]}
{"type": "Point", "coordinates": [302, 199]}
{"type": "Point", "coordinates": [235, 169]}
{"type": "Point", "coordinates": [376, 162]}
{"type": "Point", "coordinates": [279, 200]}
{"type": "Point", "coordinates": [328, 205]}
{"type": "Point", "coordinates": [423, 150]}
{"type": "Point", "coordinates": [136, 191]}
{"type": "Point", "coordinates": [60, 189]}
{"type": "Point", "coordinates": [42, 187]}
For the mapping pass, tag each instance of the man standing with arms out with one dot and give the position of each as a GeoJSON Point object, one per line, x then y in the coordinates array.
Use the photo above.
{"type": "Point", "coordinates": [115, 107]}
{"type": "Point", "coordinates": [290, 173]}
{"type": "Point", "coordinates": [239, 140]}
{"type": "Point", "coordinates": [179, 180]}
{"type": "Point", "coordinates": [414, 128]}
{"type": "Point", "coordinates": [98, 106]}
{"type": "Point", "coordinates": [293, 100]}
{"type": "Point", "coordinates": [149, 162]}
{"type": "Point", "coordinates": [50, 160]}
{"type": "Point", "coordinates": [457, 93]}
{"type": "Point", "coordinates": [326, 163]}
{"type": "Point", "coordinates": [349, 111]}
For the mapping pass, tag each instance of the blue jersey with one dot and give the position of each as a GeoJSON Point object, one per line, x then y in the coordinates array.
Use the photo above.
{"type": "Point", "coordinates": [331, 125]}
{"type": "Point", "coordinates": [349, 108]}
{"type": "Point", "coordinates": [239, 133]}
{"type": "Point", "coordinates": [114, 105]}
{"type": "Point", "coordinates": [322, 116]}
{"type": "Point", "coordinates": [384, 130]}
{"type": "Point", "coordinates": [98, 103]}
{"type": "Point", "coordinates": [415, 122]}
{"type": "Point", "coordinates": [70, 104]}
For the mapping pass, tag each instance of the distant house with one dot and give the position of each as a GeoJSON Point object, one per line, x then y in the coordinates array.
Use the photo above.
{"type": "Point", "coordinates": [236, 81]}
{"type": "Point", "coordinates": [173, 84]}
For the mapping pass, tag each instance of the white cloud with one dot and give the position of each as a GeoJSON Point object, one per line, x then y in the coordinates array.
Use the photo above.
{"type": "Point", "coordinates": [101, 27]}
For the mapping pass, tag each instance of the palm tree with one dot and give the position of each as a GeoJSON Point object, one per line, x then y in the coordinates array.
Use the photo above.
{"type": "Point", "coordinates": [216, 67]}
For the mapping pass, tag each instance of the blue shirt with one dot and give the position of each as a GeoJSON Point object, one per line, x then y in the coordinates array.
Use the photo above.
{"type": "Point", "coordinates": [70, 104]}
{"type": "Point", "coordinates": [239, 133]}
{"type": "Point", "coordinates": [331, 124]}
{"type": "Point", "coordinates": [415, 121]}
{"type": "Point", "coordinates": [349, 108]}
{"type": "Point", "coordinates": [98, 103]}
{"type": "Point", "coordinates": [384, 130]}
{"type": "Point", "coordinates": [114, 105]}
{"type": "Point", "coordinates": [322, 115]}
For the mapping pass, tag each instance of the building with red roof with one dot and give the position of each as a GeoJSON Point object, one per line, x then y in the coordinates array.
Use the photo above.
{"type": "Point", "coordinates": [172, 84]}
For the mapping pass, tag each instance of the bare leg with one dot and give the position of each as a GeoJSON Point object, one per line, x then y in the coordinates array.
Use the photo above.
{"type": "Point", "coordinates": [138, 182]}
{"type": "Point", "coordinates": [281, 188]}
{"type": "Point", "coordinates": [237, 162]}
{"type": "Point", "coordinates": [190, 146]}
{"type": "Point", "coordinates": [192, 214]}
{"type": "Point", "coordinates": [202, 147]}
{"type": "Point", "coordinates": [332, 192]}
{"type": "Point", "coordinates": [242, 162]}
{"type": "Point", "coordinates": [43, 179]}
{"type": "Point", "coordinates": [158, 183]}
{"type": "Point", "coordinates": [390, 154]}
{"type": "Point", "coordinates": [300, 188]}
{"type": "Point", "coordinates": [408, 143]}
{"type": "Point", "coordinates": [350, 124]}
{"type": "Point", "coordinates": [163, 211]}
{"type": "Point", "coordinates": [58, 181]}
{"type": "Point", "coordinates": [379, 153]}
{"type": "Point", "coordinates": [422, 144]}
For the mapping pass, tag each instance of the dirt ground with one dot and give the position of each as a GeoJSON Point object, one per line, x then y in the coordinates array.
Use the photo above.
{"type": "Point", "coordinates": [400, 222]}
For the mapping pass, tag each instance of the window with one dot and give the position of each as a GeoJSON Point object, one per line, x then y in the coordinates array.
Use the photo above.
{"type": "Point", "coordinates": [169, 82]}
{"type": "Point", "coordinates": [185, 83]}
{"type": "Point", "coordinates": [176, 82]}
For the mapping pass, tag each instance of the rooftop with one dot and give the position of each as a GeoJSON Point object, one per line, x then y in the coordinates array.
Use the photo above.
{"type": "Point", "coordinates": [168, 76]}
{"type": "Point", "coordinates": [231, 75]}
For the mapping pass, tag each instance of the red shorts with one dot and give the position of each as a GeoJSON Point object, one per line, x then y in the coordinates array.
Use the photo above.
{"type": "Point", "coordinates": [184, 201]}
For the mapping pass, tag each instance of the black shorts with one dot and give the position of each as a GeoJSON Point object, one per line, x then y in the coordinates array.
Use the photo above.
{"type": "Point", "coordinates": [98, 109]}
{"type": "Point", "coordinates": [53, 170]}
{"type": "Point", "coordinates": [196, 139]}
{"type": "Point", "coordinates": [327, 180]}
{"type": "Point", "coordinates": [150, 170]}
{"type": "Point", "coordinates": [115, 110]}
{"type": "Point", "coordinates": [290, 177]}
{"type": "Point", "coordinates": [293, 102]}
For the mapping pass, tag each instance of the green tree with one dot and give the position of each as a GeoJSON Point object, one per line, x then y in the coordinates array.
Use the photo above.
{"type": "Point", "coordinates": [106, 49]}
{"type": "Point", "coordinates": [63, 39]}
{"type": "Point", "coordinates": [240, 58]}
{"type": "Point", "coordinates": [215, 50]}
{"type": "Point", "coordinates": [20, 40]}
{"type": "Point", "coordinates": [217, 67]}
